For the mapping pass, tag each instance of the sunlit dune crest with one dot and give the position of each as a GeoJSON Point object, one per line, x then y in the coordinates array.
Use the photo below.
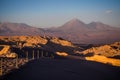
{"type": "Point", "coordinates": [5, 52]}
{"type": "Point", "coordinates": [5, 49]}
{"type": "Point", "coordinates": [34, 40]}
{"type": "Point", "coordinates": [62, 54]}
{"type": "Point", "coordinates": [62, 48]}
{"type": "Point", "coordinates": [105, 50]}
{"type": "Point", "coordinates": [103, 59]}
{"type": "Point", "coordinates": [62, 42]}
{"type": "Point", "coordinates": [103, 53]}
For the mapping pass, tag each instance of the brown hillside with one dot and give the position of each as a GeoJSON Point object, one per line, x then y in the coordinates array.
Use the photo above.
{"type": "Point", "coordinates": [105, 50]}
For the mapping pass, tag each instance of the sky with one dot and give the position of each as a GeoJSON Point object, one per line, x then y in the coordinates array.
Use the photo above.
{"type": "Point", "coordinates": [54, 13]}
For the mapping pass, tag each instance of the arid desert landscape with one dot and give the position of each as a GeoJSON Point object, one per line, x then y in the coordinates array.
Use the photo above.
{"type": "Point", "coordinates": [22, 56]}
{"type": "Point", "coordinates": [59, 39]}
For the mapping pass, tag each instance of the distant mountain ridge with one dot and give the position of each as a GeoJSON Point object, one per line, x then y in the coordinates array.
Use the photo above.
{"type": "Point", "coordinates": [74, 30]}
{"type": "Point", "coordinates": [18, 29]}
{"type": "Point", "coordinates": [94, 32]}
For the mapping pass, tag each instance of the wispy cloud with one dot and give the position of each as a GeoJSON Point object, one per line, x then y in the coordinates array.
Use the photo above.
{"type": "Point", "coordinates": [108, 11]}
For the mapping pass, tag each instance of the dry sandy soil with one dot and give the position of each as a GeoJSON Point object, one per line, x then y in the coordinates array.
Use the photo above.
{"type": "Point", "coordinates": [64, 69]}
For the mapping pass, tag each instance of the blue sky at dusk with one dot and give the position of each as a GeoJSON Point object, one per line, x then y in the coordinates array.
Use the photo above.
{"type": "Point", "coordinates": [48, 13]}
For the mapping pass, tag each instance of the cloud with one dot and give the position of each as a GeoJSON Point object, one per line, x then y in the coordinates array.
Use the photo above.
{"type": "Point", "coordinates": [108, 11]}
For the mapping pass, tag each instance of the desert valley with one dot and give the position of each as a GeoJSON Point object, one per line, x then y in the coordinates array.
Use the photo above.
{"type": "Point", "coordinates": [71, 51]}
{"type": "Point", "coordinates": [59, 39]}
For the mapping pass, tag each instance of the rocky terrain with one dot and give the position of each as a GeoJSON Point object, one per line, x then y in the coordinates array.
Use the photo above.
{"type": "Point", "coordinates": [52, 44]}
{"type": "Point", "coordinates": [5, 52]}
{"type": "Point", "coordinates": [61, 47]}
{"type": "Point", "coordinates": [44, 48]}
{"type": "Point", "coordinates": [9, 64]}
{"type": "Point", "coordinates": [23, 47]}
{"type": "Point", "coordinates": [108, 54]}
{"type": "Point", "coordinates": [110, 50]}
{"type": "Point", "coordinates": [35, 40]}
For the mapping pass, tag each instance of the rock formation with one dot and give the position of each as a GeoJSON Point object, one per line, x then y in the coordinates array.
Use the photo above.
{"type": "Point", "coordinates": [5, 52]}
{"type": "Point", "coordinates": [111, 50]}
{"type": "Point", "coordinates": [47, 43]}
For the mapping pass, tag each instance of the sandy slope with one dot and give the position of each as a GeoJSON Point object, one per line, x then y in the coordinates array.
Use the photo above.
{"type": "Point", "coordinates": [64, 69]}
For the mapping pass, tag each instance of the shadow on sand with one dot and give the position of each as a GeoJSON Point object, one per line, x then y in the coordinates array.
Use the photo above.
{"type": "Point", "coordinates": [63, 69]}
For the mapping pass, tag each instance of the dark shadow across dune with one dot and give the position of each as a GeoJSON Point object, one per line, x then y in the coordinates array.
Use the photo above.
{"type": "Point", "coordinates": [64, 69]}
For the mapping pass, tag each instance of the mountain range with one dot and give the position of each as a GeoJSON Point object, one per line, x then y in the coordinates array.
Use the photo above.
{"type": "Point", "coordinates": [74, 30]}
{"type": "Point", "coordinates": [8, 28]}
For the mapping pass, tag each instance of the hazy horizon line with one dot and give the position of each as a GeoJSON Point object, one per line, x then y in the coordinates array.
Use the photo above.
{"type": "Point", "coordinates": [57, 25]}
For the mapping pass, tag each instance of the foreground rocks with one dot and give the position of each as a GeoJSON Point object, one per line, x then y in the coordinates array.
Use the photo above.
{"type": "Point", "coordinates": [34, 40]}
{"type": "Point", "coordinates": [107, 54]}
{"type": "Point", "coordinates": [63, 48]}
{"type": "Point", "coordinates": [5, 52]}
{"type": "Point", "coordinates": [9, 64]}
{"type": "Point", "coordinates": [47, 43]}
{"type": "Point", "coordinates": [111, 50]}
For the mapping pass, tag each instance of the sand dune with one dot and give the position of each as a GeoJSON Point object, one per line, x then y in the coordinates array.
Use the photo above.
{"type": "Point", "coordinates": [64, 69]}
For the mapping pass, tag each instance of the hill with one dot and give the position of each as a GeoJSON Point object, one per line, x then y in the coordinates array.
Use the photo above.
{"type": "Point", "coordinates": [7, 29]}
{"type": "Point", "coordinates": [92, 33]}
{"type": "Point", "coordinates": [111, 50]}
{"type": "Point", "coordinates": [47, 43]}
{"type": "Point", "coordinates": [74, 30]}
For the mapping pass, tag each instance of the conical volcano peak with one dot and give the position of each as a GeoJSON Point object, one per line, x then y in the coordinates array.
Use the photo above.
{"type": "Point", "coordinates": [74, 23]}
{"type": "Point", "coordinates": [75, 20]}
